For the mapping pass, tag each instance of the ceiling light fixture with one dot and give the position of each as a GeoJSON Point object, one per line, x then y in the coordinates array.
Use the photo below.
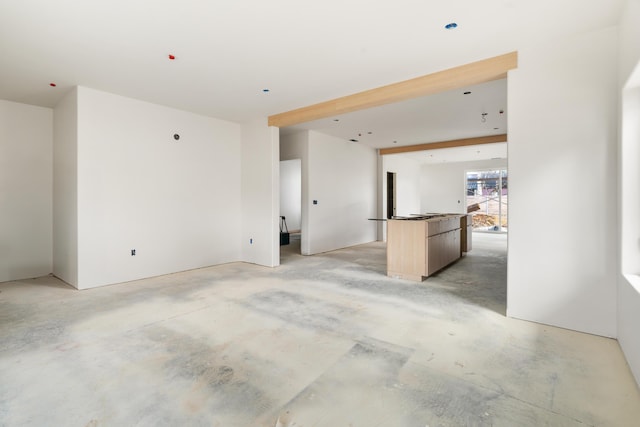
{"type": "Point", "coordinates": [451, 26]}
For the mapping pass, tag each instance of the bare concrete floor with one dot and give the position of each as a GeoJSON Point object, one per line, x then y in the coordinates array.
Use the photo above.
{"type": "Point", "coordinates": [327, 340]}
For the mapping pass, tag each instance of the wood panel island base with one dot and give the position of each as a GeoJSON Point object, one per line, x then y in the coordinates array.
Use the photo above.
{"type": "Point", "coordinates": [419, 246]}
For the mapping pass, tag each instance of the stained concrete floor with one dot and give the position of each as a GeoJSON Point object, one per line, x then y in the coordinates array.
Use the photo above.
{"type": "Point", "coordinates": [327, 340]}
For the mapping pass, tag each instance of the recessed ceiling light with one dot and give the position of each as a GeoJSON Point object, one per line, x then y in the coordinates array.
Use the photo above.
{"type": "Point", "coordinates": [53, 84]}
{"type": "Point", "coordinates": [172, 57]}
{"type": "Point", "coordinates": [451, 26]}
{"type": "Point", "coordinates": [467, 93]}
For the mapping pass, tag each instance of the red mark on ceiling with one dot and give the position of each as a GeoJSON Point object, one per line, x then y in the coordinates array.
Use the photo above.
{"type": "Point", "coordinates": [172, 57]}
{"type": "Point", "coordinates": [52, 84]}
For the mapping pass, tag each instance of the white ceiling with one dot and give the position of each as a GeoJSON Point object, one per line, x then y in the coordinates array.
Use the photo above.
{"type": "Point", "coordinates": [458, 154]}
{"type": "Point", "coordinates": [441, 117]}
{"type": "Point", "coordinates": [304, 52]}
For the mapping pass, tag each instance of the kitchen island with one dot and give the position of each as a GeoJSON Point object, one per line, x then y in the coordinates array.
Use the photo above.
{"type": "Point", "coordinates": [420, 245]}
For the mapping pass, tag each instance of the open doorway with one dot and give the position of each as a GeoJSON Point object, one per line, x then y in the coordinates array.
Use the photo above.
{"type": "Point", "coordinates": [290, 207]}
{"type": "Point", "coordinates": [476, 102]}
{"type": "Point", "coordinates": [391, 195]}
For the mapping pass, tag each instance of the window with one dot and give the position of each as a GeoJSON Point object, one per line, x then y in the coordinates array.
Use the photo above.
{"type": "Point", "coordinates": [487, 199]}
{"type": "Point", "coordinates": [630, 160]}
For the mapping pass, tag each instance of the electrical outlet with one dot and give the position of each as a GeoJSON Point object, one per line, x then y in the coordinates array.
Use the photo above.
{"type": "Point", "coordinates": [133, 252]}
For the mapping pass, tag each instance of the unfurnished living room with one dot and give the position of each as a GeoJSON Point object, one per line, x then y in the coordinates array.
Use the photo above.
{"type": "Point", "coordinates": [328, 213]}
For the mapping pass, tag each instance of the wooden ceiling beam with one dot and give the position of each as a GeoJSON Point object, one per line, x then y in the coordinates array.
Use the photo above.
{"type": "Point", "coordinates": [445, 144]}
{"type": "Point", "coordinates": [453, 78]}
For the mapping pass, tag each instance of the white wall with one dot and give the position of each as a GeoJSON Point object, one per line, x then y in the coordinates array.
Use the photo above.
{"type": "Point", "coordinates": [176, 202]}
{"type": "Point", "coordinates": [443, 186]}
{"type": "Point", "coordinates": [562, 167]}
{"type": "Point", "coordinates": [291, 192]}
{"type": "Point", "coordinates": [260, 194]}
{"type": "Point", "coordinates": [341, 176]}
{"type": "Point", "coordinates": [26, 152]}
{"type": "Point", "coordinates": [628, 38]}
{"type": "Point", "coordinates": [629, 186]}
{"type": "Point", "coordinates": [407, 172]}
{"type": "Point", "coordinates": [342, 179]}
{"type": "Point", "coordinates": [407, 184]}
{"type": "Point", "coordinates": [65, 189]}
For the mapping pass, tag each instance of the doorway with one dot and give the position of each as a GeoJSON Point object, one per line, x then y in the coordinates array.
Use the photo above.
{"type": "Point", "coordinates": [391, 195]}
{"type": "Point", "coordinates": [290, 207]}
{"type": "Point", "coordinates": [488, 199]}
